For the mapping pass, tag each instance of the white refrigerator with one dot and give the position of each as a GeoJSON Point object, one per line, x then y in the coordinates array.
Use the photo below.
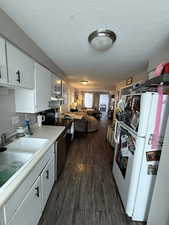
{"type": "Point", "coordinates": [136, 161]}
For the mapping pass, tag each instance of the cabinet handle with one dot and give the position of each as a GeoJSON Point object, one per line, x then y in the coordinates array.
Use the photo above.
{"type": "Point", "coordinates": [19, 76]}
{"type": "Point", "coordinates": [0, 73]}
{"type": "Point", "coordinates": [47, 174]}
{"type": "Point", "coordinates": [150, 139]}
{"type": "Point", "coordinates": [37, 192]}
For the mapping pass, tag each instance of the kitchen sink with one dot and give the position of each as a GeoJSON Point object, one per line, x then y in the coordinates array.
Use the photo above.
{"type": "Point", "coordinates": [31, 145]}
{"type": "Point", "coordinates": [17, 154]}
{"type": "Point", "coordinates": [10, 163]}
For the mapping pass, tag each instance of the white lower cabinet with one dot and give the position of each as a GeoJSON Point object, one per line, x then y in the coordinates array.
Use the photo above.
{"type": "Point", "coordinates": [29, 212]}
{"type": "Point", "coordinates": [47, 181]}
{"type": "Point", "coordinates": [27, 203]}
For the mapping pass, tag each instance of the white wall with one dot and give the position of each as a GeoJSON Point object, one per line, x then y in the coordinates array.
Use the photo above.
{"type": "Point", "coordinates": [12, 32]}
{"type": "Point", "coordinates": [7, 111]}
{"type": "Point", "coordinates": [161, 54]}
{"type": "Point", "coordinates": [140, 77]}
{"type": "Point", "coordinates": [159, 210]}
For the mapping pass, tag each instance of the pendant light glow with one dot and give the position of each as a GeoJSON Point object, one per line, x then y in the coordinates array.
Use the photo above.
{"type": "Point", "coordinates": [84, 82]}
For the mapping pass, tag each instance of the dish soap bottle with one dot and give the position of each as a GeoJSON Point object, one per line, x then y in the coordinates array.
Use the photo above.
{"type": "Point", "coordinates": [28, 130]}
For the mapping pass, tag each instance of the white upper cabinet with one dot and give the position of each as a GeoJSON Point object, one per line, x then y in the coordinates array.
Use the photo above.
{"type": "Point", "coordinates": [65, 92]}
{"type": "Point", "coordinates": [20, 68]}
{"type": "Point", "coordinates": [42, 87]}
{"type": "Point", "coordinates": [56, 85]}
{"type": "Point", "coordinates": [3, 65]}
{"type": "Point", "coordinates": [36, 100]}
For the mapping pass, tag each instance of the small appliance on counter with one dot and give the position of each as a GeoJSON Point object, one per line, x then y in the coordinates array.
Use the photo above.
{"type": "Point", "coordinates": [40, 119]}
{"type": "Point", "coordinates": [57, 113]}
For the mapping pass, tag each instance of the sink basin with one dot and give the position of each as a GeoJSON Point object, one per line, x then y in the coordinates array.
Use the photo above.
{"type": "Point", "coordinates": [10, 163]}
{"type": "Point", "coordinates": [18, 153]}
{"type": "Point", "coordinates": [31, 145]}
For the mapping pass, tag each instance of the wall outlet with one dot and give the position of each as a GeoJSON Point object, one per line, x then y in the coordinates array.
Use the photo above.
{"type": "Point", "coordinates": [15, 120]}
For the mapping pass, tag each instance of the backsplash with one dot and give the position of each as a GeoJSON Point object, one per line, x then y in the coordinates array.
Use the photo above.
{"type": "Point", "coordinates": [8, 114]}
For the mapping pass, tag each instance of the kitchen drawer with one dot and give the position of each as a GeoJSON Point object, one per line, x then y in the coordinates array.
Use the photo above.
{"type": "Point", "coordinates": [30, 211]}
{"type": "Point", "coordinates": [18, 196]}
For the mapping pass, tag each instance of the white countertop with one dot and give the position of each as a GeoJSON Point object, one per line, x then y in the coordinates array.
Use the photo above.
{"type": "Point", "coordinates": [48, 132]}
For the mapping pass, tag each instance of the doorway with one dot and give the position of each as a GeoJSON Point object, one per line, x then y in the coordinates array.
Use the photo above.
{"type": "Point", "coordinates": [103, 104]}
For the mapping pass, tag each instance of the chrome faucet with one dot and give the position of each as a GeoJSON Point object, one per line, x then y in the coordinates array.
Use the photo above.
{"type": "Point", "coordinates": [3, 142]}
{"type": "Point", "coordinates": [3, 139]}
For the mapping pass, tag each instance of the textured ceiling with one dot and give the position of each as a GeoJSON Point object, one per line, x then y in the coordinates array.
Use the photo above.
{"type": "Point", "coordinates": [61, 29]}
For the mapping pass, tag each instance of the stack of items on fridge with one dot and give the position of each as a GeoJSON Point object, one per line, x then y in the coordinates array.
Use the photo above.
{"type": "Point", "coordinates": [141, 122]}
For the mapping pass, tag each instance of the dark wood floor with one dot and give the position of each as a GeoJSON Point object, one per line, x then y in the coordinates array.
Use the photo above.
{"type": "Point", "coordinates": [86, 193]}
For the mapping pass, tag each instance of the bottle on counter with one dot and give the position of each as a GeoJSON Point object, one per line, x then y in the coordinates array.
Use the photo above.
{"type": "Point", "coordinates": [28, 130]}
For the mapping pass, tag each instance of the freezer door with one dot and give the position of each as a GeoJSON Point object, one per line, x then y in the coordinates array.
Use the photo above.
{"type": "Point", "coordinates": [121, 181]}
{"type": "Point", "coordinates": [134, 174]}
{"type": "Point", "coordinates": [125, 156]}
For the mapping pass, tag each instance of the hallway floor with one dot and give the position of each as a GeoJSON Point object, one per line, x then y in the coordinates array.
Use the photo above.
{"type": "Point", "coordinates": [86, 193]}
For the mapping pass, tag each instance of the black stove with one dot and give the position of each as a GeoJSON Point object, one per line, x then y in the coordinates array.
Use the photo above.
{"type": "Point", "coordinates": [50, 119]}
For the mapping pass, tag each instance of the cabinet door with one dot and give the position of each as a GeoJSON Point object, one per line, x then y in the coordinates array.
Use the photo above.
{"type": "Point", "coordinates": [29, 212]}
{"type": "Point", "coordinates": [65, 92]}
{"type": "Point", "coordinates": [3, 66]}
{"type": "Point", "coordinates": [47, 181]}
{"type": "Point", "coordinates": [42, 88]}
{"type": "Point", "coordinates": [28, 72]}
{"type": "Point", "coordinates": [56, 85]}
{"type": "Point", "coordinates": [20, 68]}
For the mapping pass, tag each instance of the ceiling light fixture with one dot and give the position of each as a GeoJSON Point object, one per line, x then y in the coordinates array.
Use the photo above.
{"type": "Point", "coordinates": [84, 82]}
{"type": "Point", "coordinates": [102, 39]}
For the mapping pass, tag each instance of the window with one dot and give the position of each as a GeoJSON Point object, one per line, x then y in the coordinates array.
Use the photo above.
{"type": "Point", "coordinates": [88, 100]}
{"type": "Point", "coordinates": [104, 102]}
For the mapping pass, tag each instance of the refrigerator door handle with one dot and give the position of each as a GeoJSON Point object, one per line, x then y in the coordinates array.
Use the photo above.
{"type": "Point", "coordinates": [150, 139]}
{"type": "Point", "coordinates": [115, 131]}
